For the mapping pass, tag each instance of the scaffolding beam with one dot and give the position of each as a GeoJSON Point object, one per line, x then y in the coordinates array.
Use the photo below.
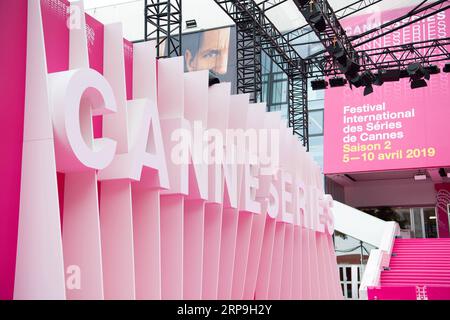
{"type": "Point", "coordinates": [163, 22]}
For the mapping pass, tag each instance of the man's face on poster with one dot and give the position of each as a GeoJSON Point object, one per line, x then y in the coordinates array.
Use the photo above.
{"type": "Point", "coordinates": [213, 52]}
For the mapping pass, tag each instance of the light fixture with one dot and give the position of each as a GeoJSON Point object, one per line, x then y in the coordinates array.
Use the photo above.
{"type": "Point", "coordinates": [190, 24]}
{"type": "Point", "coordinates": [419, 83]}
{"type": "Point", "coordinates": [417, 74]}
{"type": "Point", "coordinates": [389, 75]}
{"type": "Point", "coordinates": [432, 218]}
{"type": "Point", "coordinates": [368, 90]}
{"type": "Point", "coordinates": [337, 82]}
{"type": "Point", "coordinates": [365, 79]}
{"type": "Point", "coordinates": [350, 69]}
{"type": "Point", "coordinates": [314, 16]}
{"type": "Point", "coordinates": [433, 69]}
{"type": "Point", "coordinates": [319, 84]}
{"type": "Point", "coordinates": [420, 177]}
{"type": "Point", "coordinates": [446, 68]}
{"type": "Point", "coordinates": [301, 3]}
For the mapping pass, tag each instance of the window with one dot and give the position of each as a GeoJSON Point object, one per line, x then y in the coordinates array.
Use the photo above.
{"type": "Point", "coordinates": [350, 276]}
{"type": "Point", "coordinates": [316, 122]}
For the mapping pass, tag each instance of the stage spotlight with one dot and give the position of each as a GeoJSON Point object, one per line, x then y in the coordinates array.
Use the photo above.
{"type": "Point", "coordinates": [389, 75]}
{"type": "Point", "coordinates": [356, 81]}
{"type": "Point", "coordinates": [418, 83]}
{"type": "Point", "coordinates": [319, 84]}
{"type": "Point", "coordinates": [404, 73]}
{"type": "Point", "coordinates": [416, 72]}
{"type": "Point", "coordinates": [213, 78]}
{"type": "Point", "coordinates": [337, 82]}
{"type": "Point", "coordinates": [301, 3]}
{"type": "Point", "coordinates": [368, 90]}
{"type": "Point", "coordinates": [433, 69]}
{"type": "Point", "coordinates": [338, 53]}
{"type": "Point", "coordinates": [314, 16]}
{"type": "Point", "coordinates": [350, 69]}
{"type": "Point", "coordinates": [378, 81]}
{"type": "Point", "coordinates": [364, 79]}
{"type": "Point", "coordinates": [446, 68]}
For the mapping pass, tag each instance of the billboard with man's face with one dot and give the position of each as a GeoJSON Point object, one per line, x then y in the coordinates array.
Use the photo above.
{"type": "Point", "coordinates": [213, 50]}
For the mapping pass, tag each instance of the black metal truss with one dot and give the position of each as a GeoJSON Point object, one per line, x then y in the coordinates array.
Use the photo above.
{"type": "Point", "coordinates": [250, 15]}
{"type": "Point", "coordinates": [393, 57]}
{"type": "Point", "coordinates": [333, 33]}
{"type": "Point", "coordinates": [298, 106]}
{"type": "Point", "coordinates": [249, 67]}
{"type": "Point", "coordinates": [326, 66]}
{"type": "Point", "coordinates": [267, 5]}
{"type": "Point", "coordinates": [164, 18]}
{"type": "Point", "coordinates": [342, 13]}
{"type": "Point", "coordinates": [417, 14]}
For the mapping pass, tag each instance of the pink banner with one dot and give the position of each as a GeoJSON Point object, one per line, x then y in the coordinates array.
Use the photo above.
{"type": "Point", "coordinates": [395, 127]}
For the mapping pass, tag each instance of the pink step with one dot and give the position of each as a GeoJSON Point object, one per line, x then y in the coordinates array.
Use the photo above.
{"type": "Point", "coordinates": [418, 262]}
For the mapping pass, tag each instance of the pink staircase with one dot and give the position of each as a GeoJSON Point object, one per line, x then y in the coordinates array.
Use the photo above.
{"type": "Point", "coordinates": [419, 269]}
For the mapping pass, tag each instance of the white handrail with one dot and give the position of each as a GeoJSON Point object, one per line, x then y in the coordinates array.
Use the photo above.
{"type": "Point", "coordinates": [379, 259]}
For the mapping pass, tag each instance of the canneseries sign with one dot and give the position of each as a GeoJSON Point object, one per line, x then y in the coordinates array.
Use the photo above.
{"type": "Point", "coordinates": [138, 181]}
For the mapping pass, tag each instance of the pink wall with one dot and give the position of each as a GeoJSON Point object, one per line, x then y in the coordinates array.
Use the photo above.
{"type": "Point", "coordinates": [13, 15]}
{"type": "Point", "coordinates": [425, 131]}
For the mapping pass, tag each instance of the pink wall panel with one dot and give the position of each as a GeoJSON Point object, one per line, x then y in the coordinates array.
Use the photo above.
{"type": "Point", "coordinates": [211, 253]}
{"type": "Point", "coordinates": [276, 270]}
{"type": "Point", "coordinates": [194, 226]}
{"type": "Point", "coordinates": [228, 244]}
{"type": "Point", "coordinates": [172, 247]}
{"type": "Point", "coordinates": [265, 264]}
{"type": "Point", "coordinates": [288, 255]}
{"type": "Point", "coordinates": [244, 233]}
{"type": "Point", "coordinates": [13, 15]}
{"type": "Point", "coordinates": [147, 242]}
{"type": "Point", "coordinates": [297, 265]}
{"type": "Point", "coordinates": [254, 255]}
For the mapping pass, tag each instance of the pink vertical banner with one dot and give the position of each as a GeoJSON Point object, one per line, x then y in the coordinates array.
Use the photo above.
{"type": "Point", "coordinates": [211, 253]}
{"type": "Point", "coordinates": [265, 265]}
{"type": "Point", "coordinates": [194, 224]}
{"type": "Point", "coordinates": [288, 264]}
{"type": "Point", "coordinates": [227, 252]}
{"type": "Point", "coordinates": [306, 266]}
{"type": "Point", "coordinates": [13, 15]}
{"type": "Point", "coordinates": [147, 243]}
{"type": "Point", "coordinates": [277, 262]}
{"type": "Point", "coordinates": [254, 255]}
{"type": "Point", "coordinates": [243, 240]}
{"type": "Point", "coordinates": [297, 265]}
{"type": "Point", "coordinates": [172, 230]}
{"type": "Point", "coordinates": [316, 289]}
{"type": "Point", "coordinates": [325, 276]}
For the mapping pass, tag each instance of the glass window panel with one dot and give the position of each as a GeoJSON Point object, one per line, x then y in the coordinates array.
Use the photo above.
{"type": "Point", "coordinates": [316, 149]}
{"type": "Point", "coordinates": [349, 291]}
{"type": "Point", "coordinates": [429, 217]}
{"type": "Point", "coordinates": [316, 122]}
{"type": "Point", "coordinates": [417, 230]}
{"type": "Point", "coordinates": [316, 104]}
